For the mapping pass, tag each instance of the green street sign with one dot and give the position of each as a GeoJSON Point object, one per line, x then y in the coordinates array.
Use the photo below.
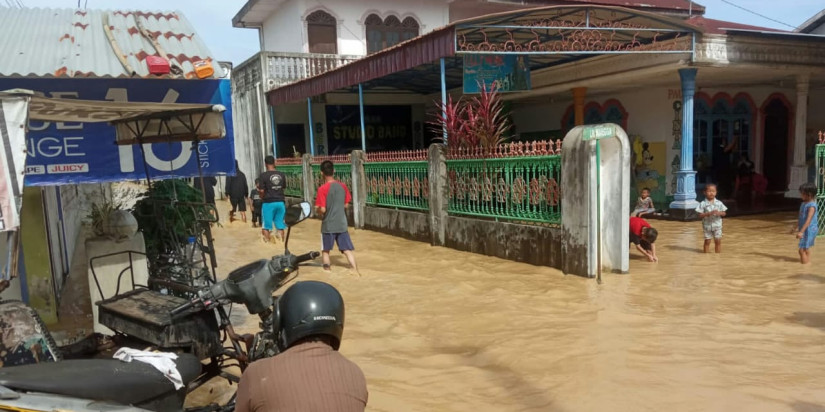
{"type": "Point", "coordinates": [598, 132]}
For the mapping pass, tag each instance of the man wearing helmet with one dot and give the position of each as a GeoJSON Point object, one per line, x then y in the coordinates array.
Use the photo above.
{"type": "Point", "coordinates": [309, 374]}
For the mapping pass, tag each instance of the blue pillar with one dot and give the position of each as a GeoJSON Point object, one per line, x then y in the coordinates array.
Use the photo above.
{"type": "Point", "coordinates": [444, 96]}
{"type": "Point", "coordinates": [311, 132]}
{"type": "Point", "coordinates": [361, 111]}
{"type": "Point", "coordinates": [274, 132]}
{"type": "Point", "coordinates": [684, 200]}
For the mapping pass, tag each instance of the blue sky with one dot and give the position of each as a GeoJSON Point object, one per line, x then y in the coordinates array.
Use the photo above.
{"type": "Point", "coordinates": [213, 18]}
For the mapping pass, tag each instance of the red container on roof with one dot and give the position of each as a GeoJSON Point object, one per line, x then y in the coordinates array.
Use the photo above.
{"type": "Point", "coordinates": [157, 65]}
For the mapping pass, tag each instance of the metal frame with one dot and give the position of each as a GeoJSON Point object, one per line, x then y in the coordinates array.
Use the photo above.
{"type": "Point", "coordinates": [576, 31]}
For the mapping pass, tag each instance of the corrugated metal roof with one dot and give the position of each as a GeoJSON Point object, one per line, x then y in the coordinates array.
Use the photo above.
{"type": "Point", "coordinates": [73, 43]}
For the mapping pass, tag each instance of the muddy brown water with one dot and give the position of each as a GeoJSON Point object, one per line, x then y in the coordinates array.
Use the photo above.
{"type": "Point", "coordinates": [435, 329]}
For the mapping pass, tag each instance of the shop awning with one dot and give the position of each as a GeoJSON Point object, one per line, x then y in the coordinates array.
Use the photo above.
{"type": "Point", "coordinates": [134, 121]}
{"type": "Point", "coordinates": [549, 35]}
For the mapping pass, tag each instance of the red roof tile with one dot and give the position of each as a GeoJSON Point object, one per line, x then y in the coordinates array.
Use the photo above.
{"type": "Point", "coordinates": [718, 26]}
{"type": "Point", "coordinates": [682, 5]}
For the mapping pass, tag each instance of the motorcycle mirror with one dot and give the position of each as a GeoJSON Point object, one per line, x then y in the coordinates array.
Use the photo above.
{"type": "Point", "coordinates": [297, 213]}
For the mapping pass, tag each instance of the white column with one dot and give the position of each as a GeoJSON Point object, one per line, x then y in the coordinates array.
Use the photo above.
{"type": "Point", "coordinates": [799, 171]}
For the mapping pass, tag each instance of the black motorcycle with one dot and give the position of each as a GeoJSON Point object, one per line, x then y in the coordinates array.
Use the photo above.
{"type": "Point", "coordinates": [196, 329]}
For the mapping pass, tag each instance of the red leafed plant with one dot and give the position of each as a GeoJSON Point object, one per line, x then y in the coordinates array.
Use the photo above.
{"type": "Point", "coordinates": [489, 122]}
{"type": "Point", "coordinates": [479, 122]}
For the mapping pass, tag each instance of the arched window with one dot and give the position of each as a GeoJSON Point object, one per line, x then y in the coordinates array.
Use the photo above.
{"type": "Point", "coordinates": [611, 111]}
{"type": "Point", "coordinates": [322, 33]}
{"type": "Point", "coordinates": [409, 29]}
{"type": "Point", "coordinates": [375, 33]}
{"type": "Point", "coordinates": [388, 32]}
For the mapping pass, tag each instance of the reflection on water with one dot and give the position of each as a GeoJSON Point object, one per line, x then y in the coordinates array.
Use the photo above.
{"type": "Point", "coordinates": [439, 330]}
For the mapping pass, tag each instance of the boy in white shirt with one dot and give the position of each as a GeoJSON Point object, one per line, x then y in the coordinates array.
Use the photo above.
{"type": "Point", "coordinates": [712, 210]}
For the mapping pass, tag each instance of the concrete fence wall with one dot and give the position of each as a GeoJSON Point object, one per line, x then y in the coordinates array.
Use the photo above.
{"type": "Point", "coordinates": [535, 244]}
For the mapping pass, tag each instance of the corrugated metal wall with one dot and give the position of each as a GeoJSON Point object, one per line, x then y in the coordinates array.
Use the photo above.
{"type": "Point", "coordinates": [250, 117]}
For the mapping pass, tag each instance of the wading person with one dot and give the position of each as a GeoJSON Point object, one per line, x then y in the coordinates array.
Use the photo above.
{"type": "Point", "coordinates": [309, 375]}
{"type": "Point", "coordinates": [206, 185]}
{"type": "Point", "coordinates": [807, 226]}
{"type": "Point", "coordinates": [236, 189]}
{"type": "Point", "coordinates": [712, 210]}
{"type": "Point", "coordinates": [254, 200]}
{"type": "Point", "coordinates": [333, 198]}
{"type": "Point", "coordinates": [643, 236]}
{"type": "Point", "coordinates": [272, 183]}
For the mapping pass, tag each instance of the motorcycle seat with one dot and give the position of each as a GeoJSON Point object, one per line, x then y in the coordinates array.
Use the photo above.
{"type": "Point", "coordinates": [127, 383]}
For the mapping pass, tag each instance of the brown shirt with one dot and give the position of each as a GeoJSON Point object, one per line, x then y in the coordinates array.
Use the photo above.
{"type": "Point", "coordinates": [306, 377]}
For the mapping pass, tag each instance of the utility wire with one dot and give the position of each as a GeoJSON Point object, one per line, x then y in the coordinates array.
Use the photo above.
{"type": "Point", "coordinates": [753, 12]}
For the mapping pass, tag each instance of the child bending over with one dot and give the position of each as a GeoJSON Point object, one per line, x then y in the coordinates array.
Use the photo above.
{"type": "Point", "coordinates": [643, 236]}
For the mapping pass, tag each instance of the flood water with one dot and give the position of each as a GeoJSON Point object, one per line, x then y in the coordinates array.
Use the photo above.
{"type": "Point", "coordinates": [435, 329]}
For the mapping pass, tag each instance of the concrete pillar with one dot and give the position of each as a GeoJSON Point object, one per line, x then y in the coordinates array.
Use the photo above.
{"type": "Point", "coordinates": [309, 181]}
{"type": "Point", "coordinates": [684, 203]}
{"type": "Point", "coordinates": [799, 170]}
{"type": "Point", "coordinates": [359, 188]}
{"type": "Point", "coordinates": [439, 193]}
{"type": "Point", "coordinates": [579, 94]}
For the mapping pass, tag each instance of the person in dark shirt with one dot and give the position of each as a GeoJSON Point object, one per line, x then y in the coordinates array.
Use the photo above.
{"type": "Point", "coordinates": [254, 200]}
{"type": "Point", "coordinates": [237, 189]}
{"type": "Point", "coordinates": [333, 198]}
{"type": "Point", "coordinates": [206, 184]}
{"type": "Point", "coordinates": [272, 208]}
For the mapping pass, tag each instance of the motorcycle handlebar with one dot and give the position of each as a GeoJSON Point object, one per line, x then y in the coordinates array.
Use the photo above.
{"type": "Point", "coordinates": [306, 257]}
{"type": "Point", "coordinates": [182, 308]}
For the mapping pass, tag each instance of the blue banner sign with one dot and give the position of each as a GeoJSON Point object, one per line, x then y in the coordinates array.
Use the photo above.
{"type": "Point", "coordinates": [63, 153]}
{"type": "Point", "coordinates": [509, 73]}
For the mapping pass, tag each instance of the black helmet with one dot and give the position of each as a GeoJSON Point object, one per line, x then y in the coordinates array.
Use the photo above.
{"type": "Point", "coordinates": [309, 308]}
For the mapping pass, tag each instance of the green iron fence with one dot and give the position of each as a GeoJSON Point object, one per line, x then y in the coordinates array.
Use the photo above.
{"type": "Point", "coordinates": [820, 184]}
{"type": "Point", "coordinates": [400, 184]}
{"type": "Point", "coordinates": [343, 170]}
{"type": "Point", "coordinates": [522, 188]}
{"type": "Point", "coordinates": [294, 179]}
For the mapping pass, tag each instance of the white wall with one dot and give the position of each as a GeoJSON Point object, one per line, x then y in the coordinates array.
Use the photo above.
{"type": "Point", "coordinates": [285, 30]}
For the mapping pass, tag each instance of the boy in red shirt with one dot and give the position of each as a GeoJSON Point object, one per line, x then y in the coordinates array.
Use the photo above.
{"type": "Point", "coordinates": [333, 198]}
{"type": "Point", "coordinates": [643, 236]}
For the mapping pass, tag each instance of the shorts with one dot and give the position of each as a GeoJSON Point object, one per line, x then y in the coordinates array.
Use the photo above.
{"type": "Point", "coordinates": [808, 239]}
{"type": "Point", "coordinates": [712, 232]}
{"type": "Point", "coordinates": [342, 239]}
{"type": "Point", "coordinates": [238, 203]}
{"type": "Point", "coordinates": [273, 212]}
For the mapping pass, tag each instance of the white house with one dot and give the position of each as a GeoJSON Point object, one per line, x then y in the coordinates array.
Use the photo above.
{"type": "Point", "coordinates": [753, 86]}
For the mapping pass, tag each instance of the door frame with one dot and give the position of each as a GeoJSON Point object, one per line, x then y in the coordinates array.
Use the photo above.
{"type": "Point", "coordinates": [790, 140]}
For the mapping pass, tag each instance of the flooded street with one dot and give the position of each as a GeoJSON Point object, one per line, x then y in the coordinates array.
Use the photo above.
{"type": "Point", "coordinates": [435, 329]}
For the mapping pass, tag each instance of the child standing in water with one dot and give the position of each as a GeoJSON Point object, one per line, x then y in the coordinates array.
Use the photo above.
{"type": "Point", "coordinates": [712, 210]}
{"type": "Point", "coordinates": [807, 227]}
{"type": "Point", "coordinates": [644, 205]}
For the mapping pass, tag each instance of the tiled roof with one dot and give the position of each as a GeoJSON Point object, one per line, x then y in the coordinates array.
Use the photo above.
{"type": "Point", "coordinates": [647, 4]}
{"type": "Point", "coordinates": [718, 26]}
{"type": "Point", "coordinates": [73, 43]}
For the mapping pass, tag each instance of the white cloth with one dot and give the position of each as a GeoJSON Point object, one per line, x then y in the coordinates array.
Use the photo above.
{"type": "Point", "coordinates": [162, 361]}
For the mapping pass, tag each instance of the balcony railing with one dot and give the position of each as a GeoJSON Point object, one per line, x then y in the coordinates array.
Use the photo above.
{"type": "Point", "coordinates": [285, 68]}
